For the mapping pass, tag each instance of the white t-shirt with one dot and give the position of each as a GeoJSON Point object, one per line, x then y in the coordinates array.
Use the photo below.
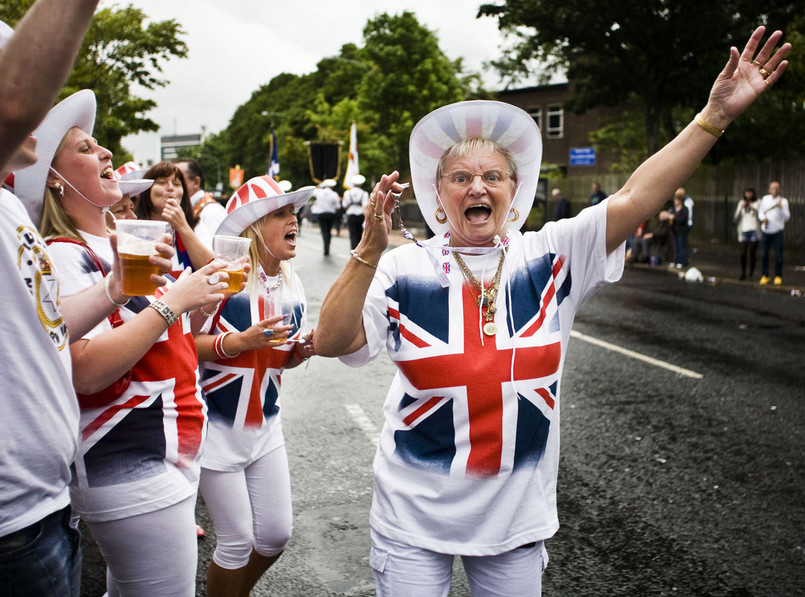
{"type": "Point", "coordinates": [467, 461]}
{"type": "Point", "coordinates": [775, 217]}
{"type": "Point", "coordinates": [39, 425]}
{"type": "Point", "coordinates": [355, 200]}
{"type": "Point", "coordinates": [140, 452]}
{"type": "Point", "coordinates": [243, 393]}
{"type": "Point", "coordinates": [210, 218]}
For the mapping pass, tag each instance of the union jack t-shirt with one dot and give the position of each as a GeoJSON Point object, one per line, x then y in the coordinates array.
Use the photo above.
{"type": "Point", "coordinates": [243, 393]}
{"type": "Point", "coordinates": [138, 452]}
{"type": "Point", "coordinates": [468, 455]}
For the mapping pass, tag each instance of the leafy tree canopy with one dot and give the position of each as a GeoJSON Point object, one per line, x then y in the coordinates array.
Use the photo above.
{"type": "Point", "coordinates": [385, 85]}
{"type": "Point", "coordinates": [662, 54]}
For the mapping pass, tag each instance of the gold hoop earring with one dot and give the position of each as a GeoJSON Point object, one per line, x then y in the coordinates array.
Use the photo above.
{"type": "Point", "coordinates": [443, 219]}
{"type": "Point", "coordinates": [515, 216]}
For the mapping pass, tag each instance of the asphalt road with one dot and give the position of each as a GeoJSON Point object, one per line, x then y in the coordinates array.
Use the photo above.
{"type": "Point", "coordinates": [683, 415]}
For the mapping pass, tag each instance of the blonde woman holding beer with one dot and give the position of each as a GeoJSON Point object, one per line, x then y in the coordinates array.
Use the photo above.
{"type": "Point", "coordinates": [244, 469]}
{"type": "Point", "coordinates": [167, 201]}
{"type": "Point", "coordinates": [143, 418]}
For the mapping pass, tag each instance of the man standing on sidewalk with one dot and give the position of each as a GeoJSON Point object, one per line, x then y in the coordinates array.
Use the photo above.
{"type": "Point", "coordinates": [773, 213]}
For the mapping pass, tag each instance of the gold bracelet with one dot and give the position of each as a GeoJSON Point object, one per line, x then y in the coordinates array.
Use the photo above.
{"type": "Point", "coordinates": [707, 126]}
{"type": "Point", "coordinates": [357, 257]}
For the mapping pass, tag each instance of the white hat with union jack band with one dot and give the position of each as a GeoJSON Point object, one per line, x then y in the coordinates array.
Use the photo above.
{"type": "Point", "coordinates": [258, 197]}
{"type": "Point", "coordinates": [500, 122]}
{"type": "Point", "coordinates": [130, 179]}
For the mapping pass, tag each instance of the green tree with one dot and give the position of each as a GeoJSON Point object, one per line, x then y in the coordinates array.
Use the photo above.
{"type": "Point", "coordinates": [385, 86]}
{"type": "Point", "coordinates": [663, 54]}
{"type": "Point", "coordinates": [119, 51]}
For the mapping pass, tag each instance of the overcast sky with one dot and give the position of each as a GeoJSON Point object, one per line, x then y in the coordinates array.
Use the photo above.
{"type": "Point", "coordinates": [238, 45]}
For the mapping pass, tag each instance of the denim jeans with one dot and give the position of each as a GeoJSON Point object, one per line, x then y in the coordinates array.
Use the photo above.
{"type": "Point", "coordinates": [681, 248]}
{"type": "Point", "coordinates": [42, 560]}
{"type": "Point", "coordinates": [774, 240]}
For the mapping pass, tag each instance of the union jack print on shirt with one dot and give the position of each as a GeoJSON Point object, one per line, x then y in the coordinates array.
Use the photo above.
{"type": "Point", "coordinates": [159, 417]}
{"type": "Point", "coordinates": [460, 414]}
{"type": "Point", "coordinates": [242, 392]}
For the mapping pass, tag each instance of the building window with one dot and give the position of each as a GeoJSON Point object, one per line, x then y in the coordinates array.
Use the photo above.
{"type": "Point", "coordinates": [556, 122]}
{"type": "Point", "coordinates": [536, 114]}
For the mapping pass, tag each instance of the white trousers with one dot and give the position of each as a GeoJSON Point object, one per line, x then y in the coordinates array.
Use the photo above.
{"type": "Point", "coordinates": [401, 570]}
{"type": "Point", "coordinates": [151, 554]}
{"type": "Point", "coordinates": [249, 508]}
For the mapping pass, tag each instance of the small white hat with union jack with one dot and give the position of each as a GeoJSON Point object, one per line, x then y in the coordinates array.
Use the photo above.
{"type": "Point", "coordinates": [258, 197]}
{"type": "Point", "coordinates": [130, 179]}
{"type": "Point", "coordinates": [505, 124]}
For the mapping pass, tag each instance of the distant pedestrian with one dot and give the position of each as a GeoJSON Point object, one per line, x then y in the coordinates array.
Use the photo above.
{"type": "Point", "coordinates": [688, 203]}
{"type": "Point", "coordinates": [679, 229]}
{"type": "Point", "coordinates": [748, 230]}
{"type": "Point", "coordinates": [355, 201]}
{"type": "Point", "coordinates": [326, 208]}
{"type": "Point", "coordinates": [773, 214]}
{"type": "Point", "coordinates": [562, 209]}
{"type": "Point", "coordinates": [598, 195]}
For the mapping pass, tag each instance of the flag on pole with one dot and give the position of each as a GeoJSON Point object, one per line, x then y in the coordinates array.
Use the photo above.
{"type": "Point", "coordinates": [273, 169]}
{"type": "Point", "coordinates": [352, 164]}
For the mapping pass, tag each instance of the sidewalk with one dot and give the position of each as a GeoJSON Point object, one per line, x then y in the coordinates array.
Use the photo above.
{"type": "Point", "coordinates": [722, 262]}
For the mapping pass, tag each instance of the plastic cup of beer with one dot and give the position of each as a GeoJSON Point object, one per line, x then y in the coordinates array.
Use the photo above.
{"type": "Point", "coordinates": [234, 250]}
{"type": "Point", "coordinates": [136, 242]}
{"type": "Point", "coordinates": [286, 307]}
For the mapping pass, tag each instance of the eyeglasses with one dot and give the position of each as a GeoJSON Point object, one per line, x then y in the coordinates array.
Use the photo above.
{"type": "Point", "coordinates": [463, 178]}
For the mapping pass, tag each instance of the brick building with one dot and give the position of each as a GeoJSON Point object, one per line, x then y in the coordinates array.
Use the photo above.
{"type": "Point", "coordinates": [565, 136]}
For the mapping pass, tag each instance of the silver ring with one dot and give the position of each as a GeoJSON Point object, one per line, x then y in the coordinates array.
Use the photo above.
{"type": "Point", "coordinates": [213, 279]}
{"type": "Point", "coordinates": [268, 333]}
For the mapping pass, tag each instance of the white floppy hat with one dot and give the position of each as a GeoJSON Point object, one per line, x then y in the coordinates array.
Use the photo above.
{"type": "Point", "coordinates": [5, 33]}
{"type": "Point", "coordinates": [258, 197]}
{"type": "Point", "coordinates": [328, 183]}
{"type": "Point", "coordinates": [130, 179]}
{"type": "Point", "coordinates": [78, 110]}
{"type": "Point", "coordinates": [500, 122]}
{"type": "Point", "coordinates": [358, 180]}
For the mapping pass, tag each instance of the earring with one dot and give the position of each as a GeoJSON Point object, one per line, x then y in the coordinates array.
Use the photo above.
{"type": "Point", "coordinates": [59, 188]}
{"type": "Point", "coordinates": [443, 217]}
{"type": "Point", "coordinates": [514, 215]}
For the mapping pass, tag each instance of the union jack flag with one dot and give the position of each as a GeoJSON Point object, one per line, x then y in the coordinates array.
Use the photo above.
{"type": "Point", "coordinates": [475, 405]}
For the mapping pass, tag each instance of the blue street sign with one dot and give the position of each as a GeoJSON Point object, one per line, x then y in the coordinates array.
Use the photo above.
{"type": "Point", "coordinates": [582, 156]}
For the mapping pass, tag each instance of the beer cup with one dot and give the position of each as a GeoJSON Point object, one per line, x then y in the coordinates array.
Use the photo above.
{"type": "Point", "coordinates": [136, 242]}
{"type": "Point", "coordinates": [234, 250]}
{"type": "Point", "coordinates": [285, 307]}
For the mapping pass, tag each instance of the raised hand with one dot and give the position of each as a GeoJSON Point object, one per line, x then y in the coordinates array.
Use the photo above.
{"type": "Point", "coordinates": [746, 76]}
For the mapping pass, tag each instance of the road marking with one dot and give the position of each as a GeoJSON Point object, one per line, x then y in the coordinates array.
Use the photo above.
{"type": "Point", "coordinates": [636, 355]}
{"type": "Point", "coordinates": [364, 422]}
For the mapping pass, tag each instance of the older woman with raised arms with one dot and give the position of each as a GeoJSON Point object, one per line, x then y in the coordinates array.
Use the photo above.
{"type": "Point", "coordinates": [477, 320]}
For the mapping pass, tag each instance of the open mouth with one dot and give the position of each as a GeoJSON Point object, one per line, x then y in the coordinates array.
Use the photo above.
{"type": "Point", "coordinates": [108, 173]}
{"type": "Point", "coordinates": [291, 237]}
{"type": "Point", "coordinates": [478, 213]}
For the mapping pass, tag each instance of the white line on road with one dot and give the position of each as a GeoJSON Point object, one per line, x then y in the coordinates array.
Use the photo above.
{"type": "Point", "coordinates": [636, 355]}
{"type": "Point", "coordinates": [364, 422]}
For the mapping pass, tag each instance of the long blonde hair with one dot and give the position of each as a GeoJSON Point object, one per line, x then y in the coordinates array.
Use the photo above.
{"type": "Point", "coordinates": [255, 233]}
{"type": "Point", "coordinates": [55, 219]}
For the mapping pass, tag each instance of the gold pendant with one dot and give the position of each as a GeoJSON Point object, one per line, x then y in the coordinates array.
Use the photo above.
{"type": "Point", "coordinates": [490, 328]}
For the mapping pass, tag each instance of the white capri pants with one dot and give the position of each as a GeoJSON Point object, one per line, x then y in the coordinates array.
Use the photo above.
{"type": "Point", "coordinates": [150, 554]}
{"type": "Point", "coordinates": [401, 570]}
{"type": "Point", "coordinates": [250, 508]}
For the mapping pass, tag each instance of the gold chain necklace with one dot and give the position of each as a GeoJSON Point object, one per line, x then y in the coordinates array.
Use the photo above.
{"type": "Point", "coordinates": [486, 297]}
